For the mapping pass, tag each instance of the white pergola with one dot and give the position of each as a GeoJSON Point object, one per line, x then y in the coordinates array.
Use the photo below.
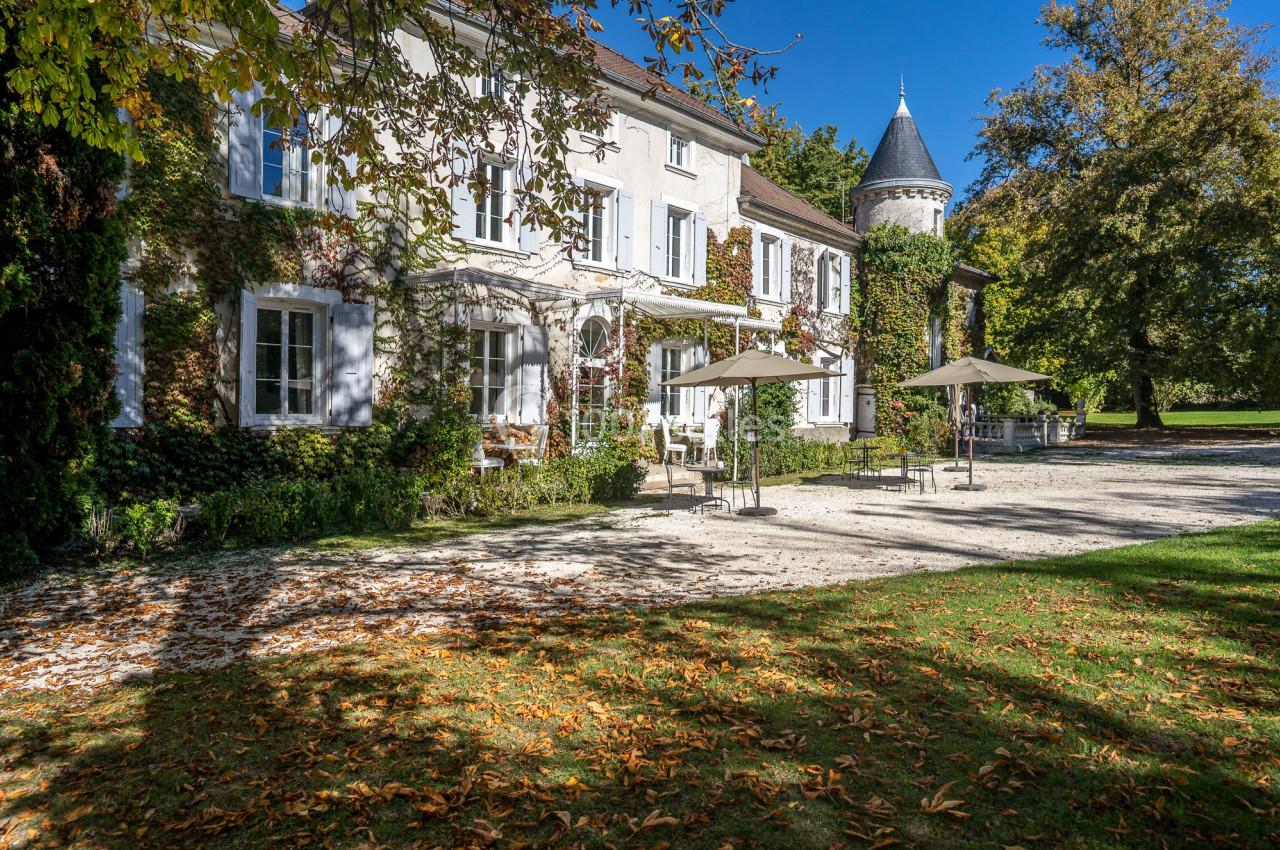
{"type": "Point", "coordinates": [671, 307]}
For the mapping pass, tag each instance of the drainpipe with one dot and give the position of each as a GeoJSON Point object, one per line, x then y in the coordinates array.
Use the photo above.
{"type": "Point", "coordinates": [573, 369]}
{"type": "Point", "coordinates": [737, 393]}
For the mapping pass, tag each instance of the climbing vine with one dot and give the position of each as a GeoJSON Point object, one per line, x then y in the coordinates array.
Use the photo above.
{"type": "Point", "coordinates": [728, 282]}
{"type": "Point", "coordinates": [902, 275]}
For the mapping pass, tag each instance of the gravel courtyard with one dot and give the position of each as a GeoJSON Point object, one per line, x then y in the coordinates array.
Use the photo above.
{"type": "Point", "coordinates": [61, 633]}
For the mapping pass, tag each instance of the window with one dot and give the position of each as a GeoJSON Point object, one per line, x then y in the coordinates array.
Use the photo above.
{"type": "Point", "coordinates": [679, 262]}
{"type": "Point", "coordinates": [824, 281]}
{"type": "Point", "coordinates": [770, 266]}
{"type": "Point", "coordinates": [672, 367]}
{"type": "Point", "coordinates": [488, 372]}
{"type": "Point", "coordinates": [829, 400]}
{"type": "Point", "coordinates": [493, 83]}
{"type": "Point", "coordinates": [286, 362]}
{"type": "Point", "coordinates": [286, 159]}
{"type": "Point", "coordinates": [610, 134]}
{"type": "Point", "coordinates": [593, 385]}
{"type": "Point", "coordinates": [937, 222]}
{"type": "Point", "coordinates": [679, 153]}
{"type": "Point", "coordinates": [597, 223]}
{"type": "Point", "coordinates": [491, 205]}
{"type": "Point", "coordinates": [829, 281]}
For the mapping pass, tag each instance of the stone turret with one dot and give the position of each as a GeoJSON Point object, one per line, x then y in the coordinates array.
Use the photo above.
{"type": "Point", "coordinates": [901, 184]}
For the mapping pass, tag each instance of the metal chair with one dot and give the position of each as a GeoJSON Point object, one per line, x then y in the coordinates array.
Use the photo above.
{"type": "Point", "coordinates": [740, 487]}
{"type": "Point", "coordinates": [673, 487]}
{"type": "Point", "coordinates": [669, 448]}
{"type": "Point", "coordinates": [915, 474]}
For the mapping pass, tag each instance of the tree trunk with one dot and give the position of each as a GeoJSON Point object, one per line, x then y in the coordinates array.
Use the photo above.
{"type": "Point", "coordinates": [1144, 402]}
{"type": "Point", "coordinates": [1144, 386]}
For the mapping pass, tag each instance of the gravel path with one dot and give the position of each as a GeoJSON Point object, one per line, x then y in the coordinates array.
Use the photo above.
{"type": "Point", "coordinates": [58, 633]}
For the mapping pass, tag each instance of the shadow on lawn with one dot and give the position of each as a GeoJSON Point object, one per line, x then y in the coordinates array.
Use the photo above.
{"type": "Point", "coordinates": [799, 720]}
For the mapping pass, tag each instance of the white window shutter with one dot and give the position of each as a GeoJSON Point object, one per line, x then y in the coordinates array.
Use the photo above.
{"type": "Point", "coordinates": [653, 404]}
{"type": "Point", "coordinates": [248, 354]}
{"type": "Point", "coordinates": [841, 274]}
{"type": "Point", "coordinates": [699, 411]}
{"type": "Point", "coordinates": [626, 230]}
{"type": "Point", "coordinates": [757, 265]}
{"type": "Point", "coordinates": [699, 250]}
{"type": "Point", "coordinates": [847, 384]}
{"type": "Point", "coordinates": [784, 291]}
{"type": "Point", "coordinates": [244, 145]}
{"type": "Point", "coordinates": [340, 200]}
{"type": "Point", "coordinates": [815, 399]}
{"type": "Point", "coordinates": [464, 203]}
{"type": "Point", "coordinates": [528, 233]}
{"type": "Point", "coordinates": [351, 381]}
{"type": "Point", "coordinates": [129, 359]}
{"type": "Point", "coordinates": [658, 239]}
{"type": "Point", "coordinates": [534, 345]}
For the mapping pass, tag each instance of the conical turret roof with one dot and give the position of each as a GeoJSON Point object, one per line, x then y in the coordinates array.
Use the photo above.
{"type": "Point", "coordinates": [901, 158]}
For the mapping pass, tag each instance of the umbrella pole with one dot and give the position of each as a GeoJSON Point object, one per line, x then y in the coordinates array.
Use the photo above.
{"type": "Point", "coordinates": [970, 485]}
{"type": "Point", "coordinates": [755, 445]}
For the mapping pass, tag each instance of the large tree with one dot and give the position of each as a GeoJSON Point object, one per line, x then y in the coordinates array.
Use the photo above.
{"type": "Point", "coordinates": [345, 57]}
{"type": "Point", "coordinates": [1143, 172]}
{"type": "Point", "coordinates": [815, 166]}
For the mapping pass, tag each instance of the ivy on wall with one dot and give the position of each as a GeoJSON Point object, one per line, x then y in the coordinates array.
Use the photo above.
{"type": "Point", "coordinates": [728, 282]}
{"type": "Point", "coordinates": [901, 275]}
{"type": "Point", "coordinates": [191, 236]}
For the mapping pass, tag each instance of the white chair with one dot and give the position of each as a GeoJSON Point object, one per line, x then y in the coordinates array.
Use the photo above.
{"type": "Point", "coordinates": [669, 448]}
{"type": "Point", "coordinates": [535, 459]}
{"type": "Point", "coordinates": [710, 436]}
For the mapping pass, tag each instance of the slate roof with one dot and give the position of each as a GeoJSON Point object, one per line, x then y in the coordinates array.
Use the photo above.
{"type": "Point", "coordinates": [901, 154]}
{"type": "Point", "coordinates": [763, 190]}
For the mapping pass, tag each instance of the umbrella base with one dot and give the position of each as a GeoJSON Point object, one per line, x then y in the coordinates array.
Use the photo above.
{"type": "Point", "coordinates": [956, 468]}
{"type": "Point", "coordinates": [969, 487]}
{"type": "Point", "coordinates": [758, 512]}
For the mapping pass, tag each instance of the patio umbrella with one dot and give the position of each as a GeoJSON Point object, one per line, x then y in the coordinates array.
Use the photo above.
{"type": "Point", "coordinates": [751, 368]}
{"type": "Point", "coordinates": [971, 370]}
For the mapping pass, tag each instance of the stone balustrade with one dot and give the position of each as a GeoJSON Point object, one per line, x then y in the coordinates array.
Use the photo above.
{"type": "Point", "coordinates": [1020, 433]}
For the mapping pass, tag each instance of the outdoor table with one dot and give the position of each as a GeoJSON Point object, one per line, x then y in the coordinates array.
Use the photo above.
{"type": "Point", "coordinates": [512, 447]}
{"type": "Point", "coordinates": [488, 463]}
{"type": "Point", "coordinates": [905, 459]}
{"type": "Point", "coordinates": [864, 464]}
{"type": "Point", "coordinates": [708, 479]}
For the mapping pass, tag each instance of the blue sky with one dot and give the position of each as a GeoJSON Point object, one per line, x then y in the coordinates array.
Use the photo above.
{"type": "Point", "coordinates": [845, 69]}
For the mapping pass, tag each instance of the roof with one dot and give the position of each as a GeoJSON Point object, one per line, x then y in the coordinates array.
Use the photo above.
{"type": "Point", "coordinates": [613, 62]}
{"type": "Point", "coordinates": [770, 194]}
{"type": "Point", "coordinates": [662, 306]}
{"type": "Point", "coordinates": [901, 157]}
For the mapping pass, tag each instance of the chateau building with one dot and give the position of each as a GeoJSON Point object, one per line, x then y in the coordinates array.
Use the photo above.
{"type": "Point", "coordinates": [545, 327]}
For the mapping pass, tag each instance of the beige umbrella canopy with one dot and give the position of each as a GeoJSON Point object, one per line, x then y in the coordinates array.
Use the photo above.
{"type": "Point", "coordinates": [751, 368]}
{"type": "Point", "coordinates": [970, 370]}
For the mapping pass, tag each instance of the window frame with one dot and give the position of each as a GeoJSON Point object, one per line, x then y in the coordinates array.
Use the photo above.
{"type": "Point", "coordinates": [687, 149]}
{"type": "Point", "coordinates": [319, 360]}
{"type": "Point", "coordinates": [668, 394]}
{"type": "Point", "coordinates": [510, 228]}
{"type": "Point", "coordinates": [509, 370]}
{"type": "Point", "coordinates": [294, 160]}
{"type": "Point", "coordinates": [822, 283]}
{"type": "Point", "coordinates": [596, 367]}
{"type": "Point", "coordinates": [770, 267]}
{"type": "Point", "coordinates": [608, 196]}
{"type": "Point", "coordinates": [494, 73]}
{"type": "Point", "coordinates": [829, 391]}
{"type": "Point", "coordinates": [685, 218]}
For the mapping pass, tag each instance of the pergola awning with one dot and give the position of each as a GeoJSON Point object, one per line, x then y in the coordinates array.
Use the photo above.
{"type": "Point", "coordinates": [660, 306]}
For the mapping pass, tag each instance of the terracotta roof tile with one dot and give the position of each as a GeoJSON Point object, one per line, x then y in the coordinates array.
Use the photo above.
{"type": "Point", "coordinates": [771, 194]}
{"type": "Point", "coordinates": [613, 61]}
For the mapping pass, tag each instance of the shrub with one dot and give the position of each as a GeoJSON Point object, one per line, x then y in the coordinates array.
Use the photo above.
{"type": "Point", "coordinates": [146, 525]}
{"type": "Point", "coordinates": [60, 258]}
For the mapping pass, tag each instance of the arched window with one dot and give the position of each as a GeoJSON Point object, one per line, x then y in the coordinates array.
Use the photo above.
{"type": "Point", "coordinates": [593, 381]}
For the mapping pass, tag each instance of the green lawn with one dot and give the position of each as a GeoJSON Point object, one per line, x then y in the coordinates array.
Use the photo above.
{"type": "Point", "coordinates": [1123, 698]}
{"type": "Point", "coordinates": [1195, 418]}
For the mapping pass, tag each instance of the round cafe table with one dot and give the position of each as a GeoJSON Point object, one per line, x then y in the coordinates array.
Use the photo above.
{"type": "Point", "coordinates": [708, 481]}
